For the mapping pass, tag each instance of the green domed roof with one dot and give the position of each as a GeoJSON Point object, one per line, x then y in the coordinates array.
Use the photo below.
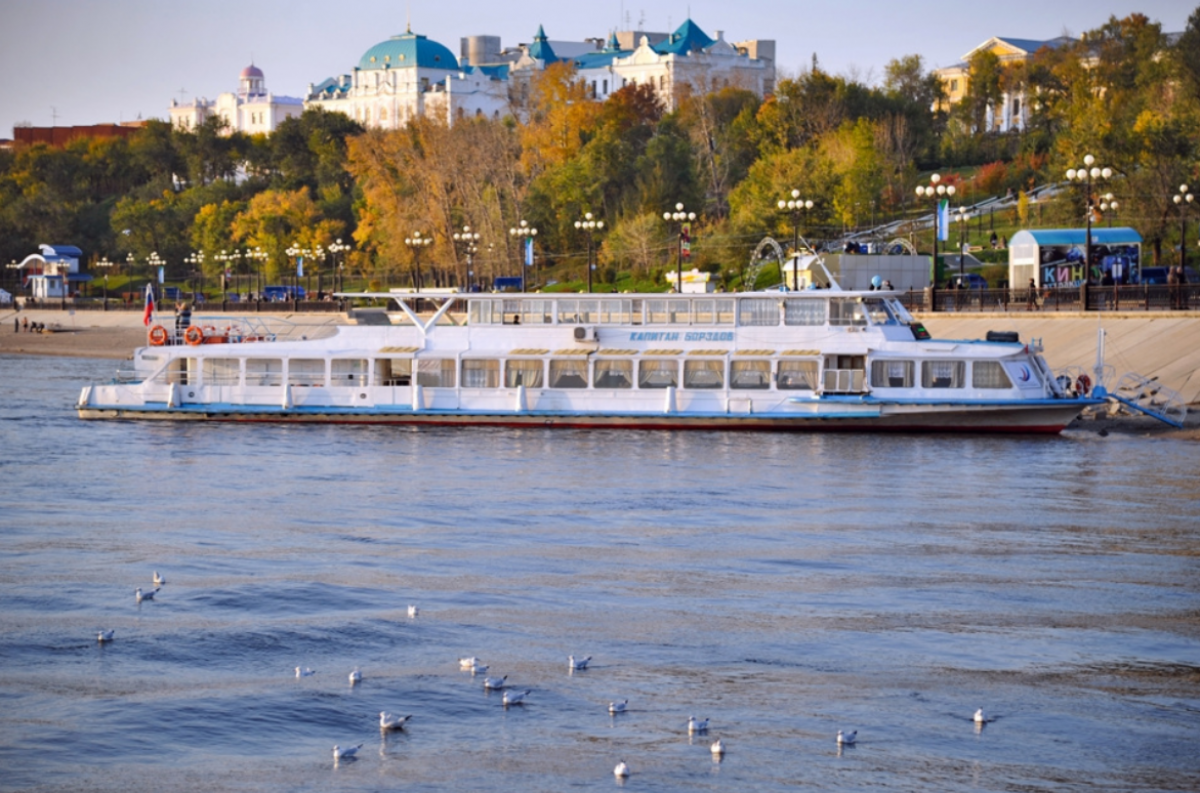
{"type": "Point", "coordinates": [408, 50]}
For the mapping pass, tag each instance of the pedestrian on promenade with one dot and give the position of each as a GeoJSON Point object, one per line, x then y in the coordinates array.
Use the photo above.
{"type": "Point", "coordinates": [25, 323]}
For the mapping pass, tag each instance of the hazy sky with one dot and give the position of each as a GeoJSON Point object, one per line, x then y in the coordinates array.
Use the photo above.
{"type": "Point", "coordinates": [101, 61]}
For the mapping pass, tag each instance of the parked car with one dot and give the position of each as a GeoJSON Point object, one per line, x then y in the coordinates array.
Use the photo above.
{"type": "Point", "coordinates": [968, 281]}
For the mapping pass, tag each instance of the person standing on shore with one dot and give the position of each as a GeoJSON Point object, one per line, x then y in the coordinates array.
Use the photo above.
{"type": "Point", "coordinates": [25, 323]}
{"type": "Point", "coordinates": [16, 325]}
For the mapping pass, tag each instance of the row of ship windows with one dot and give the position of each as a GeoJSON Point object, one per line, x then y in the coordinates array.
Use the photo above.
{"type": "Point", "coordinates": [759, 311]}
{"type": "Point", "coordinates": [573, 373]}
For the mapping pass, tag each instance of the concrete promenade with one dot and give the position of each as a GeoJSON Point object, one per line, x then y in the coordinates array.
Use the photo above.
{"type": "Point", "coordinates": [1164, 345]}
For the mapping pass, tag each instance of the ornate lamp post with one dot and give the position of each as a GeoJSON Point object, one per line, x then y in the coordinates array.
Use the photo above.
{"type": "Point", "coordinates": [1086, 175]}
{"type": "Point", "coordinates": [683, 218]}
{"type": "Point", "coordinates": [416, 242]}
{"type": "Point", "coordinates": [794, 205]}
{"type": "Point", "coordinates": [469, 240]}
{"type": "Point", "coordinates": [158, 271]}
{"type": "Point", "coordinates": [936, 191]}
{"type": "Point", "coordinates": [963, 217]}
{"type": "Point", "coordinates": [104, 264]}
{"type": "Point", "coordinates": [524, 234]}
{"type": "Point", "coordinates": [589, 227]}
{"type": "Point", "coordinates": [196, 261]}
{"type": "Point", "coordinates": [338, 249]}
{"type": "Point", "coordinates": [1183, 199]}
{"type": "Point", "coordinates": [131, 262]}
{"type": "Point", "coordinates": [1108, 201]}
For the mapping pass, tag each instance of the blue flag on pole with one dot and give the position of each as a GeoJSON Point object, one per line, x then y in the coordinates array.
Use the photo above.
{"type": "Point", "coordinates": [529, 251]}
{"type": "Point", "coordinates": [943, 219]}
{"type": "Point", "coordinates": [300, 267]}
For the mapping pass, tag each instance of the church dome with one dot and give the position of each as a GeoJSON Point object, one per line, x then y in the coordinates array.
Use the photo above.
{"type": "Point", "coordinates": [250, 72]}
{"type": "Point", "coordinates": [408, 50]}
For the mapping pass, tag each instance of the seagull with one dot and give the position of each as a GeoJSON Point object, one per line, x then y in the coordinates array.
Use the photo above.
{"type": "Point", "coordinates": [479, 669]}
{"type": "Point", "coordinates": [158, 579]}
{"type": "Point", "coordinates": [618, 707]}
{"type": "Point", "coordinates": [718, 748]}
{"type": "Point", "coordinates": [345, 754]}
{"type": "Point", "coordinates": [621, 770]}
{"type": "Point", "coordinates": [578, 664]}
{"type": "Point", "coordinates": [104, 636]}
{"type": "Point", "coordinates": [140, 595]}
{"type": "Point", "coordinates": [355, 676]}
{"type": "Point", "coordinates": [467, 663]}
{"type": "Point", "coordinates": [513, 698]}
{"type": "Point", "coordinates": [979, 717]}
{"type": "Point", "coordinates": [847, 738]}
{"type": "Point", "coordinates": [697, 726]}
{"type": "Point", "coordinates": [413, 611]}
{"type": "Point", "coordinates": [305, 672]}
{"type": "Point", "coordinates": [389, 722]}
{"type": "Point", "coordinates": [495, 683]}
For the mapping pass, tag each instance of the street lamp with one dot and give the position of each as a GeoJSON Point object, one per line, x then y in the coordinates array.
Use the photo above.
{"type": "Point", "coordinates": [963, 216]}
{"type": "Point", "coordinates": [338, 249]}
{"type": "Point", "coordinates": [104, 264]}
{"type": "Point", "coordinates": [524, 234]}
{"type": "Point", "coordinates": [683, 218]}
{"type": "Point", "coordinates": [1183, 199]}
{"type": "Point", "coordinates": [794, 205]}
{"type": "Point", "coordinates": [589, 227]}
{"type": "Point", "coordinates": [416, 242]}
{"type": "Point", "coordinates": [156, 262]}
{"type": "Point", "coordinates": [935, 190]}
{"type": "Point", "coordinates": [1108, 201]}
{"type": "Point", "coordinates": [470, 242]}
{"type": "Point", "coordinates": [1086, 175]}
{"type": "Point", "coordinates": [196, 260]}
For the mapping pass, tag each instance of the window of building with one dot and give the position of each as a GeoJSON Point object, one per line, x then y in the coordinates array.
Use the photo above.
{"type": "Point", "coordinates": [527, 373]}
{"type": "Point", "coordinates": [614, 373]}
{"type": "Point", "coordinates": [942, 374]}
{"type": "Point", "coordinates": [480, 373]}
{"type": "Point", "coordinates": [953, 86]}
{"type": "Point", "coordinates": [658, 373]}
{"type": "Point", "coordinates": [704, 374]}
{"type": "Point", "coordinates": [435, 372]}
{"type": "Point", "coordinates": [797, 375]}
{"type": "Point", "coordinates": [606, 87]}
{"type": "Point", "coordinates": [306, 372]}
{"type": "Point", "coordinates": [568, 373]}
{"type": "Point", "coordinates": [753, 374]}
{"type": "Point", "coordinates": [892, 374]}
{"type": "Point", "coordinates": [989, 374]}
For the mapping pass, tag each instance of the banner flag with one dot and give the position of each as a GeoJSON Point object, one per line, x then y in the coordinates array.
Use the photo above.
{"type": "Point", "coordinates": [529, 251]}
{"type": "Point", "coordinates": [944, 219]}
{"type": "Point", "coordinates": [148, 314]}
{"type": "Point", "coordinates": [685, 240]}
{"type": "Point", "coordinates": [161, 274]}
{"type": "Point", "coordinates": [300, 267]}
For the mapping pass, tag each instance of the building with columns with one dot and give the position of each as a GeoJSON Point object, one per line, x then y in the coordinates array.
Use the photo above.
{"type": "Point", "coordinates": [251, 109]}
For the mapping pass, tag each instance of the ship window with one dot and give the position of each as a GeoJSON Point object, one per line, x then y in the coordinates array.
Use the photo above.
{"type": "Point", "coordinates": [614, 373]}
{"type": "Point", "coordinates": [264, 371]}
{"type": "Point", "coordinates": [349, 372]}
{"type": "Point", "coordinates": [879, 313]}
{"type": "Point", "coordinates": [724, 312]}
{"type": "Point", "coordinates": [393, 371]}
{"type": "Point", "coordinates": [704, 311]}
{"type": "Point", "coordinates": [435, 372]}
{"type": "Point", "coordinates": [221, 371]}
{"type": "Point", "coordinates": [758, 311]}
{"type": "Point", "coordinates": [537, 312]}
{"type": "Point", "coordinates": [989, 374]}
{"type": "Point", "coordinates": [892, 374]}
{"type": "Point", "coordinates": [846, 312]}
{"type": "Point", "coordinates": [797, 311]}
{"type": "Point", "coordinates": [666, 312]}
{"type": "Point", "coordinates": [485, 312]}
{"type": "Point", "coordinates": [480, 373]}
{"type": "Point", "coordinates": [658, 373]}
{"type": "Point", "coordinates": [568, 312]}
{"type": "Point", "coordinates": [589, 311]}
{"type": "Point", "coordinates": [750, 374]}
{"type": "Point", "coordinates": [797, 375]}
{"type": "Point", "coordinates": [526, 373]}
{"type": "Point", "coordinates": [614, 312]}
{"type": "Point", "coordinates": [704, 374]}
{"type": "Point", "coordinates": [568, 373]}
{"type": "Point", "coordinates": [942, 374]}
{"type": "Point", "coordinates": [306, 372]}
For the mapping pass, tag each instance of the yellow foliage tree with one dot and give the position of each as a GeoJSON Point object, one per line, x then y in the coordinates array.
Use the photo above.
{"type": "Point", "coordinates": [274, 220]}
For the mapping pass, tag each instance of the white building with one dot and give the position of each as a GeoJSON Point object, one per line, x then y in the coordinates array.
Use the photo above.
{"type": "Point", "coordinates": [252, 109]}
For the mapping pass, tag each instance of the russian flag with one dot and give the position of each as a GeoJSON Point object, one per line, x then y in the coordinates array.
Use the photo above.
{"type": "Point", "coordinates": [148, 314]}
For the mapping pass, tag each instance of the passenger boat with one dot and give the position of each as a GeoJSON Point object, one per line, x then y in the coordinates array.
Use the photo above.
{"type": "Point", "coordinates": [818, 359]}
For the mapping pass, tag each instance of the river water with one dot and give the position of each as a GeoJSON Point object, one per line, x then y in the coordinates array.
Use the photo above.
{"type": "Point", "coordinates": [785, 587]}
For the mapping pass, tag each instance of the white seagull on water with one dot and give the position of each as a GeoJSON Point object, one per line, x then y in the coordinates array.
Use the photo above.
{"type": "Point", "coordinates": [387, 721]}
{"type": "Point", "coordinates": [513, 698]}
{"type": "Point", "coordinates": [141, 595]}
{"type": "Point", "coordinates": [413, 611]}
{"type": "Point", "coordinates": [494, 683]}
{"type": "Point", "coordinates": [305, 672]}
{"type": "Point", "coordinates": [345, 754]}
{"type": "Point", "coordinates": [467, 663]}
{"type": "Point", "coordinates": [621, 770]}
{"type": "Point", "coordinates": [104, 636]}
{"type": "Point", "coordinates": [355, 676]}
{"type": "Point", "coordinates": [158, 579]}
{"type": "Point", "coordinates": [618, 707]}
{"type": "Point", "coordinates": [980, 718]}
{"type": "Point", "coordinates": [580, 663]}
{"type": "Point", "coordinates": [717, 748]}
{"type": "Point", "coordinates": [847, 738]}
{"type": "Point", "coordinates": [694, 725]}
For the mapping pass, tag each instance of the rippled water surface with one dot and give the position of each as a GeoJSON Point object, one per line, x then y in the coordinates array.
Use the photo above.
{"type": "Point", "coordinates": [783, 586]}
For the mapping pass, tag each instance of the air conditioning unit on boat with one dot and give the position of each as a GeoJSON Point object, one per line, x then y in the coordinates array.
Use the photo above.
{"type": "Point", "coordinates": [586, 334]}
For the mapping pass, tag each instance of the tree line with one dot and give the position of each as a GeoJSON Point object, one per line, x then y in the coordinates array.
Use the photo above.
{"type": "Point", "coordinates": [1123, 92]}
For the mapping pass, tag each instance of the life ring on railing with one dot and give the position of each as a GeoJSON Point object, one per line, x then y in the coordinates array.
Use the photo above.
{"type": "Point", "coordinates": [1083, 385]}
{"type": "Point", "coordinates": [158, 336]}
{"type": "Point", "coordinates": [193, 336]}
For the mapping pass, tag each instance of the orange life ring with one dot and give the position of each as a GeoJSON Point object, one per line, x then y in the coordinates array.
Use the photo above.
{"type": "Point", "coordinates": [1083, 385]}
{"type": "Point", "coordinates": [193, 336]}
{"type": "Point", "coordinates": [158, 336]}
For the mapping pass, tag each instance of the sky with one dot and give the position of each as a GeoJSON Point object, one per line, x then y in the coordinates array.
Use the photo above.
{"type": "Point", "coordinates": [80, 62]}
